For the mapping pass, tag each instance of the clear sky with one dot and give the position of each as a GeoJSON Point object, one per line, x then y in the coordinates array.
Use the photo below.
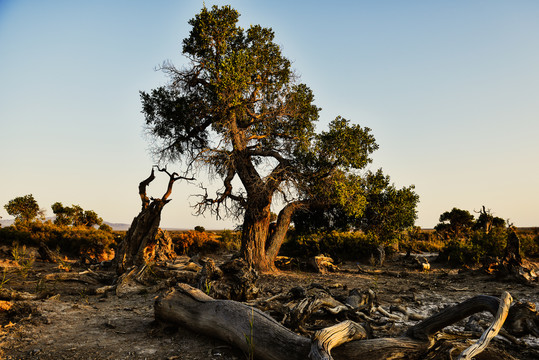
{"type": "Point", "coordinates": [450, 90]}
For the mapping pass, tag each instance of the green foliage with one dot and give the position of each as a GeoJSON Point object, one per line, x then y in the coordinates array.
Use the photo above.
{"type": "Point", "coordinates": [200, 228]}
{"type": "Point", "coordinates": [23, 208]}
{"type": "Point", "coordinates": [250, 339]}
{"type": "Point", "coordinates": [106, 228]}
{"type": "Point", "coordinates": [529, 242]}
{"type": "Point", "coordinates": [455, 224]}
{"type": "Point", "coordinates": [469, 241]}
{"type": "Point", "coordinates": [73, 241]}
{"type": "Point", "coordinates": [389, 210]}
{"type": "Point", "coordinates": [417, 239]}
{"type": "Point", "coordinates": [75, 215]}
{"type": "Point", "coordinates": [341, 245]}
{"type": "Point", "coordinates": [22, 258]}
{"type": "Point", "coordinates": [230, 240]}
{"type": "Point", "coordinates": [190, 242]}
{"type": "Point", "coordinates": [381, 209]}
{"type": "Point", "coordinates": [4, 279]}
{"type": "Point", "coordinates": [240, 92]}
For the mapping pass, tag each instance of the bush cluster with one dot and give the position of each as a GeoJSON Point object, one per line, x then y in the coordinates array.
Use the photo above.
{"type": "Point", "coordinates": [70, 240]}
{"type": "Point", "coordinates": [190, 242]}
{"type": "Point", "coordinates": [479, 246]}
{"type": "Point", "coordinates": [340, 245]}
{"type": "Point", "coordinates": [201, 241]}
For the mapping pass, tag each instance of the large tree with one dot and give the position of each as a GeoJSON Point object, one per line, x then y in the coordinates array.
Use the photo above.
{"type": "Point", "coordinates": [239, 110]}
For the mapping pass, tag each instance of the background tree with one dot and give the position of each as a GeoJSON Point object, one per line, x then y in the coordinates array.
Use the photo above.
{"type": "Point", "coordinates": [23, 208]}
{"type": "Point", "coordinates": [455, 224]}
{"type": "Point", "coordinates": [75, 215]}
{"type": "Point", "coordinates": [387, 212]}
{"type": "Point", "coordinates": [486, 221]}
{"type": "Point", "coordinates": [238, 110]}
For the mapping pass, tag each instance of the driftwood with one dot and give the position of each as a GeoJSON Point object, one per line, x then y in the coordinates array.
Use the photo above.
{"type": "Point", "coordinates": [491, 332]}
{"type": "Point", "coordinates": [257, 334]}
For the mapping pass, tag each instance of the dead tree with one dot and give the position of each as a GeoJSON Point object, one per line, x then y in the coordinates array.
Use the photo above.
{"type": "Point", "coordinates": [263, 338]}
{"type": "Point", "coordinates": [144, 242]}
{"type": "Point", "coordinates": [512, 266]}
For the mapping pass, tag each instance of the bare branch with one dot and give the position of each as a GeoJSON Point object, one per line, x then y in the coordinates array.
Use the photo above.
{"type": "Point", "coordinates": [142, 189]}
{"type": "Point", "coordinates": [172, 178]}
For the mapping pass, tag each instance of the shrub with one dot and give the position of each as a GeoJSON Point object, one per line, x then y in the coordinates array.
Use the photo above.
{"type": "Point", "coordinates": [74, 241]}
{"type": "Point", "coordinates": [417, 239]}
{"type": "Point", "coordinates": [476, 248]}
{"type": "Point", "coordinates": [189, 242]}
{"type": "Point", "coordinates": [459, 252]}
{"type": "Point", "coordinates": [230, 240]}
{"type": "Point", "coordinates": [340, 245]}
{"type": "Point", "coordinates": [529, 242]}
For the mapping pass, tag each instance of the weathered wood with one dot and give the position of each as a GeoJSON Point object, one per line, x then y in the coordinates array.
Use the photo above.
{"type": "Point", "coordinates": [306, 307]}
{"type": "Point", "coordinates": [47, 254]}
{"type": "Point", "coordinates": [231, 321]}
{"type": "Point", "coordinates": [491, 332]}
{"type": "Point", "coordinates": [9, 294]}
{"type": "Point", "coordinates": [259, 335]}
{"type": "Point", "coordinates": [84, 278]}
{"type": "Point", "coordinates": [427, 328]}
{"type": "Point", "coordinates": [144, 241]}
{"type": "Point", "coordinates": [523, 319]}
{"type": "Point", "coordinates": [326, 339]}
{"type": "Point", "coordinates": [322, 264]}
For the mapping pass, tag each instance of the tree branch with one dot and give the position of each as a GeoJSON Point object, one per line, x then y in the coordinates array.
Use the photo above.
{"type": "Point", "coordinates": [172, 178]}
{"type": "Point", "coordinates": [142, 189]}
{"type": "Point", "coordinates": [492, 331]}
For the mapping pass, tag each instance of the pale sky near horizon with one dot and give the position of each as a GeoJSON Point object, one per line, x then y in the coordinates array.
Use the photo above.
{"type": "Point", "coordinates": [449, 89]}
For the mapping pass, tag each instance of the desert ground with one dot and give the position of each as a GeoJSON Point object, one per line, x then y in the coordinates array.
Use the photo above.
{"type": "Point", "coordinates": [46, 316]}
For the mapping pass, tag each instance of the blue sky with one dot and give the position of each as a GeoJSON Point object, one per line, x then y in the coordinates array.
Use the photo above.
{"type": "Point", "coordinates": [450, 90]}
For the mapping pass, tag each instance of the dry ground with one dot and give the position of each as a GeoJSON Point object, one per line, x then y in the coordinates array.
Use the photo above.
{"type": "Point", "coordinates": [71, 323]}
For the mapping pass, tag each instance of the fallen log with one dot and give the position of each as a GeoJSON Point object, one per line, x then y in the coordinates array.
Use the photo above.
{"type": "Point", "coordinates": [232, 322]}
{"type": "Point", "coordinates": [260, 336]}
{"type": "Point", "coordinates": [491, 332]}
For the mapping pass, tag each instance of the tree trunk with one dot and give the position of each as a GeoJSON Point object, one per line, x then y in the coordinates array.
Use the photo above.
{"type": "Point", "coordinates": [144, 241]}
{"type": "Point", "coordinates": [260, 246]}
{"type": "Point", "coordinates": [141, 234]}
{"type": "Point", "coordinates": [254, 237]}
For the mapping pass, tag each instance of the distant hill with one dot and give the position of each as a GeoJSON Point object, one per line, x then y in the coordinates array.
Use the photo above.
{"type": "Point", "coordinates": [5, 223]}
{"type": "Point", "coordinates": [117, 226]}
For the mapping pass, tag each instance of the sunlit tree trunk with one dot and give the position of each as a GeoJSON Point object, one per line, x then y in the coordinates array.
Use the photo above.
{"type": "Point", "coordinates": [254, 237]}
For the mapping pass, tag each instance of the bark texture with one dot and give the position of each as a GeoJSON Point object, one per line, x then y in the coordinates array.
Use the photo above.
{"type": "Point", "coordinates": [145, 242]}
{"type": "Point", "coordinates": [260, 336]}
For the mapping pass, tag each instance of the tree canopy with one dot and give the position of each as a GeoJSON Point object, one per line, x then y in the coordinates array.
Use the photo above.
{"type": "Point", "coordinates": [387, 211]}
{"type": "Point", "coordinates": [455, 223]}
{"type": "Point", "coordinates": [75, 215]}
{"type": "Point", "coordinates": [238, 110]}
{"type": "Point", "coordinates": [23, 208]}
